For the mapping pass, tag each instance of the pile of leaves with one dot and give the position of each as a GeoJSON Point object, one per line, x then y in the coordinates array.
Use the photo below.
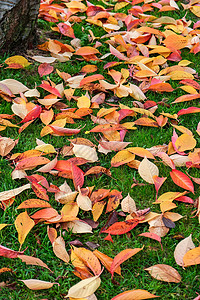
{"type": "Point", "coordinates": [143, 56]}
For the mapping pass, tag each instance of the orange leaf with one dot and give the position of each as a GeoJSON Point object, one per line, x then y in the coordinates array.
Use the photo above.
{"type": "Point", "coordinates": [91, 78]}
{"type": "Point", "coordinates": [146, 122]}
{"type": "Point", "coordinates": [187, 98]}
{"type": "Point", "coordinates": [46, 213]}
{"type": "Point", "coordinates": [192, 257]}
{"type": "Point", "coordinates": [33, 203]}
{"type": "Point", "coordinates": [134, 294]}
{"type": "Point", "coordinates": [106, 261]}
{"type": "Point", "coordinates": [31, 162]}
{"type": "Point", "coordinates": [89, 69]}
{"type": "Point", "coordinates": [121, 257]}
{"type": "Point", "coordinates": [176, 42]}
{"type": "Point", "coordinates": [89, 259]}
{"type": "Point", "coordinates": [87, 50]}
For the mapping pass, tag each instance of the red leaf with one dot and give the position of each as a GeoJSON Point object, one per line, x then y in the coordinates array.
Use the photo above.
{"type": "Point", "coordinates": [63, 165]}
{"type": "Point", "coordinates": [182, 180]}
{"type": "Point", "coordinates": [189, 110]}
{"type": "Point", "coordinates": [66, 30]}
{"type": "Point", "coordinates": [121, 227]}
{"type": "Point", "coordinates": [47, 87]}
{"type": "Point", "coordinates": [109, 238]}
{"type": "Point", "coordinates": [45, 69]}
{"type": "Point", "coordinates": [153, 236]}
{"type": "Point", "coordinates": [33, 114]}
{"type": "Point", "coordinates": [6, 252]}
{"type": "Point", "coordinates": [158, 181]}
{"type": "Point", "coordinates": [185, 199]}
{"type": "Point", "coordinates": [64, 131]}
{"type": "Point", "coordinates": [78, 176]}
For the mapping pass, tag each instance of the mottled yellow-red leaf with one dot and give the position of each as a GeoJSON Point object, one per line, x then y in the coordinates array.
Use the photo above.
{"type": "Point", "coordinates": [121, 158]}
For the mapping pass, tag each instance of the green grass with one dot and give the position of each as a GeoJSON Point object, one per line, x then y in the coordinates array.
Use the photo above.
{"type": "Point", "coordinates": [133, 274]}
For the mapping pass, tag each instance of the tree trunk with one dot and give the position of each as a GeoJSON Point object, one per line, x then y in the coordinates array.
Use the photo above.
{"type": "Point", "coordinates": [17, 22]}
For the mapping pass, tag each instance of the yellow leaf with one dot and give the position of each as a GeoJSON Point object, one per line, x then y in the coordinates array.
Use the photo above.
{"type": "Point", "coordinates": [121, 158]}
{"type": "Point", "coordinates": [46, 148]}
{"type": "Point", "coordinates": [185, 142]}
{"type": "Point", "coordinates": [189, 89]}
{"type": "Point", "coordinates": [3, 225]}
{"type": "Point", "coordinates": [183, 129]}
{"type": "Point", "coordinates": [97, 210]}
{"type": "Point", "coordinates": [83, 102]}
{"type": "Point", "coordinates": [17, 59]}
{"type": "Point", "coordinates": [179, 75]}
{"type": "Point", "coordinates": [169, 196]}
{"type": "Point", "coordinates": [23, 224]}
{"type": "Point", "coordinates": [85, 287]}
{"type": "Point", "coordinates": [120, 5]}
{"type": "Point", "coordinates": [184, 63]}
{"type": "Point", "coordinates": [196, 10]}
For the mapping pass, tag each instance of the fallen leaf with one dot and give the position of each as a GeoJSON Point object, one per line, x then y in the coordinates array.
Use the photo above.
{"type": "Point", "coordinates": [35, 284]}
{"type": "Point", "coordinates": [23, 224]}
{"type": "Point", "coordinates": [85, 287]}
{"type": "Point", "coordinates": [121, 257]}
{"type": "Point", "coordinates": [164, 273]}
{"type": "Point", "coordinates": [134, 294]}
{"type": "Point", "coordinates": [148, 170]}
{"type": "Point", "coordinates": [182, 248]}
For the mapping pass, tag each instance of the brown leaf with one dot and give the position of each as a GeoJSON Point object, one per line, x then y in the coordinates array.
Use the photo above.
{"type": "Point", "coordinates": [164, 273]}
{"type": "Point", "coordinates": [30, 260]}
{"type": "Point", "coordinates": [182, 248]}
{"type": "Point", "coordinates": [59, 249]}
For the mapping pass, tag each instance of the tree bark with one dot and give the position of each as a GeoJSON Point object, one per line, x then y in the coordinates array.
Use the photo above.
{"type": "Point", "coordinates": [17, 22]}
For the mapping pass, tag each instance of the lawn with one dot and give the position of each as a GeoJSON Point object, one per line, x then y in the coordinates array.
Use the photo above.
{"type": "Point", "coordinates": [124, 179]}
